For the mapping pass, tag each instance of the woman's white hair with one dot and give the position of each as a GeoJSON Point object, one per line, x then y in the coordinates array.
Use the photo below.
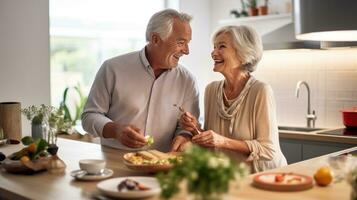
{"type": "Point", "coordinates": [247, 42]}
{"type": "Point", "coordinates": [161, 23]}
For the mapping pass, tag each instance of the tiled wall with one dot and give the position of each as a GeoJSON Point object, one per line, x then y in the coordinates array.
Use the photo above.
{"type": "Point", "coordinates": [331, 75]}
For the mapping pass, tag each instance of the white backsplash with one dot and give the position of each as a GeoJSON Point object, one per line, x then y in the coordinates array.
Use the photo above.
{"type": "Point", "coordinates": [331, 75]}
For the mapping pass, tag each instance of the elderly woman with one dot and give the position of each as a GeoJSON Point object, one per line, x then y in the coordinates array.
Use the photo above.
{"type": "Point", "coordinates": [239, 110]}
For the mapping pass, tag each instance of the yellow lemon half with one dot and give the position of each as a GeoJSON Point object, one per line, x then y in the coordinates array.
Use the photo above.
{"type": "Point", "coordinates": [323, 176]}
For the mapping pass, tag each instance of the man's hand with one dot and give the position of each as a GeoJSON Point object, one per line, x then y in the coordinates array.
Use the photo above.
{"type": "Point", "coordinates": [128, 135]}
{"type": "Point", "coordinates": [180, 143]}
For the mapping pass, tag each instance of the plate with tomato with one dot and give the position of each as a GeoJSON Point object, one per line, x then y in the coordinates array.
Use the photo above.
{"type": "Point", "coordinates": [282, 181]}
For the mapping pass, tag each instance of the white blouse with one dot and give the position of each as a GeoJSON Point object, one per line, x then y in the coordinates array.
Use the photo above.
{"type": "Point", "coordinates": [252, 120]}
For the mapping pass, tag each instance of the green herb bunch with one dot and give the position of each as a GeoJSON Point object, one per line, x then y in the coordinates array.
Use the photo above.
{"type": "Point", "coordinates": [206, 173]}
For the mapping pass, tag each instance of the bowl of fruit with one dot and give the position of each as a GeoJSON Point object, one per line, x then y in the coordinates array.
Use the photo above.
{"type": "Point", "coordinates": [32, 158]}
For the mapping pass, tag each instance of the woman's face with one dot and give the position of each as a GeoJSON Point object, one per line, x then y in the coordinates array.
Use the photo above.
{"type": "Point", "coordinates": [224, 53]}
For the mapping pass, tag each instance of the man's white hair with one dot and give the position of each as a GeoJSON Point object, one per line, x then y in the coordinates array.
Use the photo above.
{"type": "Point", "coordinates": [161, 23]}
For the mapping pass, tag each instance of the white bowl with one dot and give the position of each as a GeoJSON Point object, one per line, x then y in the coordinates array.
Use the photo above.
{"type": "Point", "coordinates": [92, 166]}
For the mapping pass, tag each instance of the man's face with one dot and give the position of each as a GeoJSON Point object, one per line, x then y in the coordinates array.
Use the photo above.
{"type": "Point", "coordinates": [175, 45]}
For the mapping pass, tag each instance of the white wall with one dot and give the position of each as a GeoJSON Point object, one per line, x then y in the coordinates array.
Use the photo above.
{"type": "Point", "coordinates": [331, 75]}
{"type": "Point", "coordinates": [24, 53]}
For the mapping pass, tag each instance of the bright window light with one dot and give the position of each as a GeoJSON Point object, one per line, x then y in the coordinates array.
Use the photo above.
{"type": "Point", "coordinates": [84, 33]}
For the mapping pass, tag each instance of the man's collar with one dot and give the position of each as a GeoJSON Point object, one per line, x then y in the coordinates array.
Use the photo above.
{"type": "Point", "coordinates": [144, 59]}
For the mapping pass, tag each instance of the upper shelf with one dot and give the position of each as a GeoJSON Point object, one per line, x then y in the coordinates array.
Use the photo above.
{"type": "Point", "coordinates": [262, 24]}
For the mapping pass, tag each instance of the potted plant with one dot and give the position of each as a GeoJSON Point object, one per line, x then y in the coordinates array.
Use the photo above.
{"type": "Point", "coordinates": [45, 118]}
{"type": "Point", "coordinates": [79, 105]}
{"type": "Point", "coordinates": [252, 7]}
{"type": "Point", "coordinates": [35, 115]}
{"type": "Point", "coordinates": [206, 174]}
{"type": "Point", "coordinates": [263, 9]}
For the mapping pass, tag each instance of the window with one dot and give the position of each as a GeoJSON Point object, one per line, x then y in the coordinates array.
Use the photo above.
{"type": "Point", "coordinates": [85, 33]}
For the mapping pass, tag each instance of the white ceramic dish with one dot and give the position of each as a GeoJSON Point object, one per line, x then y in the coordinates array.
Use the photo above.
{"type": "Point", "coordinates": [110, 187]}
{"type": "Point", "coordinates": [93, 166]}
{"type": "Point", "coordinates": [91, 177]}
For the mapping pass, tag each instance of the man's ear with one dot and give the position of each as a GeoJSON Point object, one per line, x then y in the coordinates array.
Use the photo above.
{"type": "Point", "coordinates": [155, 38]}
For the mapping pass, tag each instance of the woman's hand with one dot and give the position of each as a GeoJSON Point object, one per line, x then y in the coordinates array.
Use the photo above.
{"type": "Point", "coordinates": [189, 123]}
{"type": "Point", "coordinates": [209, 139]}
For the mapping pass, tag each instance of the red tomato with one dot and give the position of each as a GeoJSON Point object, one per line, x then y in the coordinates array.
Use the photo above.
{"type": "Point", "coordinates": [279, 178]}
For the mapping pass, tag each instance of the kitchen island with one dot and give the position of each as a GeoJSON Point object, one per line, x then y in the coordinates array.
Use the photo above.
{"type": "Point", "coordinates": [49, 186]}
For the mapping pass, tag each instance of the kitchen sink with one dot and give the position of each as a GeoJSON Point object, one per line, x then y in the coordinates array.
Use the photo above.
{"type": "Point", "coordinates": [299, 129]}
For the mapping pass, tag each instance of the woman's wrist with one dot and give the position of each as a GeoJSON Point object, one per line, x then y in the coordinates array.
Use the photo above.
{"type": "Point", "coordinates": [235, 145]}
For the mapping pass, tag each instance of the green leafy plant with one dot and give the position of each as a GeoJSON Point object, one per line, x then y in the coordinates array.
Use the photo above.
{"type": "Point", "coordinates": [206, 174]}
{"type": "Point", "coordinates": [79, 106]}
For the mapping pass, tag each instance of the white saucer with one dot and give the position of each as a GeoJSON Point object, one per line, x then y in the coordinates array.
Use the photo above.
{"type": "Point", "coordinates": [110, 187]}
{"type": "Point", "coordinates": [92, 177]}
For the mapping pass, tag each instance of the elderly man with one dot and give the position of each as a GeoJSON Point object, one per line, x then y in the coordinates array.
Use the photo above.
{"type": "Point", "coordinates": [133, 94]}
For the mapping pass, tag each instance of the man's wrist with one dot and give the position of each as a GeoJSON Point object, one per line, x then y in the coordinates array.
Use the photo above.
{"type": "Point", "coordinates": [109, 130]}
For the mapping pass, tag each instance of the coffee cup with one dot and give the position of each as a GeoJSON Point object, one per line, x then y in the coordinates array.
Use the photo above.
{"type": "Point", "coordinates": [92, 166]}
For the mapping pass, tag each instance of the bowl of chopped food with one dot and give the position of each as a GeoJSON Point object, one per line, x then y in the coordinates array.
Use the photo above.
{"type": "Point", "coordinates": [151, 160]}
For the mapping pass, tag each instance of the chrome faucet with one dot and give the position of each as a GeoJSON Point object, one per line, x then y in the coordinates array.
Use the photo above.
{"type": "Point", "coordinates": [310, 117]}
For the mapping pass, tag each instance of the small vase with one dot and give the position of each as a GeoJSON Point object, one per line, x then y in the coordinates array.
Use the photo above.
{"type": "Point", "coordinates": [36, 131]}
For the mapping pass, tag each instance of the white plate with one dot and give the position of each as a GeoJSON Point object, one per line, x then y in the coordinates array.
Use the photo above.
{"type": "Point", "coordinates": [88, 177]}
{"type": "Point", "coordinates": [110, 187]}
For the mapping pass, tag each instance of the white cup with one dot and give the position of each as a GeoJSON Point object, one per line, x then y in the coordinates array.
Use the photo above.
{"type": "Point", "coordinates": [92, 166]}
